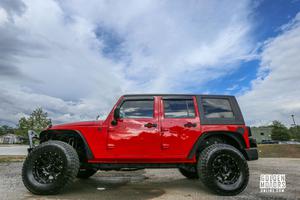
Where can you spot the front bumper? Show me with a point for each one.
(32, 135)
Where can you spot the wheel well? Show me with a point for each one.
(72, 137)
(232, 138)
(226, 139)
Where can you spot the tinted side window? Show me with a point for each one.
(181, 108)
(137, 109)
(217, 108)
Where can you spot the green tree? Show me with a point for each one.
(295, 132)
(37, 121)
(6, 129)
(279, 131)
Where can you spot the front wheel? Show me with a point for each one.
(50, 167)
(223, 169)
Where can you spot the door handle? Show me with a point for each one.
(190, 124)
(110, 146)
(150, 125)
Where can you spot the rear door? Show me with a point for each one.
(180, 125)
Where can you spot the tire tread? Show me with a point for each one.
(70, 173)
(208, 179)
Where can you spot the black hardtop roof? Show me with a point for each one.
(203, 95)
(238, 119)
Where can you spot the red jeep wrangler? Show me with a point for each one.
(204, 136)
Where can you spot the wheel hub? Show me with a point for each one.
(225, 169)
(47, 167)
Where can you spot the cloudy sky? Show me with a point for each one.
(75, 58)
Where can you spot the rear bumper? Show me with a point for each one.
(251, 154)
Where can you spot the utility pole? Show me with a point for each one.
(294, 123)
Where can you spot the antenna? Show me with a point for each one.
(294, 123)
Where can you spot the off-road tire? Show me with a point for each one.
(57, 151)
(85, 173)
(208, 162)
(189, 173)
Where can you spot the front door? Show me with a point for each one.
(136, 134)
(180, 125)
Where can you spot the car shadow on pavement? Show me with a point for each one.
(117, 187)
(124, 186)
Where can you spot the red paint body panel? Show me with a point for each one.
(227, 128)
(131, 142)
(178, 140)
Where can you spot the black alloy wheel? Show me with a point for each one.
(50, 167)
(223, 169)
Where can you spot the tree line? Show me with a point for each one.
(282, 133)
(37, 121)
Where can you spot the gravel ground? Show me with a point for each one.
(154, 184)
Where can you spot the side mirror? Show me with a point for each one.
(116, 116)
(117, 113)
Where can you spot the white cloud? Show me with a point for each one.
(56, 59)
(275, 94)
(233, 87)
(164, 40)
(3, 16)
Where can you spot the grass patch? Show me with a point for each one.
(279, 150)
(12, 158)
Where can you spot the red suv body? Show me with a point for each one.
(159, 137)
(204, 136)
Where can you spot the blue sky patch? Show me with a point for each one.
(270, 15)
(112, 42)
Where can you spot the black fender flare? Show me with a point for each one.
(237, 137)
(45, 133)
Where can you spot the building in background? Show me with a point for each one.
(11, 139)
(261, 133)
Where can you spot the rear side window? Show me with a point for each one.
(137, 109)
(217, 108)
(179, 108)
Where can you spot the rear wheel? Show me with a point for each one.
(50, 167)
(189, 172)
(223, 169)
(85, 173)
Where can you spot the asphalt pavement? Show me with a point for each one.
(12, 149)
(155, 184)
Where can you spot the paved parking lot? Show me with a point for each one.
(13, 149)
(154, 184)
